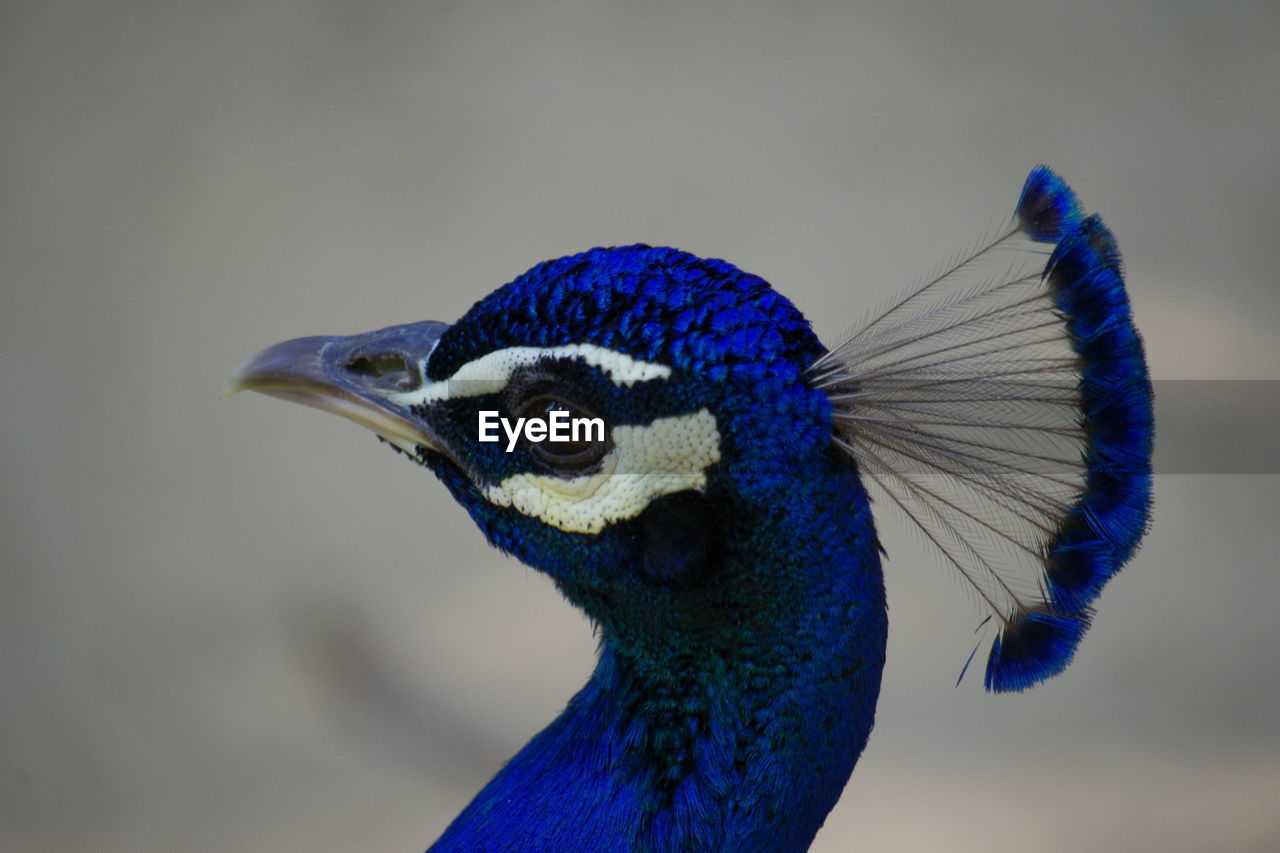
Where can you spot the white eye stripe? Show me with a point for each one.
(491, 372)
(646, 462)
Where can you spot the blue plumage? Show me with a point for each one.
(704, 736)
(1047, 209)
(720, 536)
(1101, 531)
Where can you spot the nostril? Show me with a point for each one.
(385, 370)
(377, 365)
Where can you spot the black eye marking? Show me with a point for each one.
(588, 435)
(583, 436)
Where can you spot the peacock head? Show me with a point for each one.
(606, 417)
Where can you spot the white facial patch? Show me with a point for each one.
(491, 372)
(668, 455)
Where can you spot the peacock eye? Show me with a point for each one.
(576, 438)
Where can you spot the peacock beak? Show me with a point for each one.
(362, 378)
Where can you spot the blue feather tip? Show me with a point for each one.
(1033, 647)
(1048, 210)
(1102, 529)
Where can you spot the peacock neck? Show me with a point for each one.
(733, 733)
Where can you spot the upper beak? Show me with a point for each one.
(358, 377)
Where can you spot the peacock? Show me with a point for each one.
(665, 437)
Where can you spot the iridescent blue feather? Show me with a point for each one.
(1011, 421)
(1101, 532)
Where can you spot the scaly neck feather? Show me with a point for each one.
(737, 737)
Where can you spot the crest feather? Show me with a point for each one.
(1004, 406)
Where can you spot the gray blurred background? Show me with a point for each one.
(240, 625)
